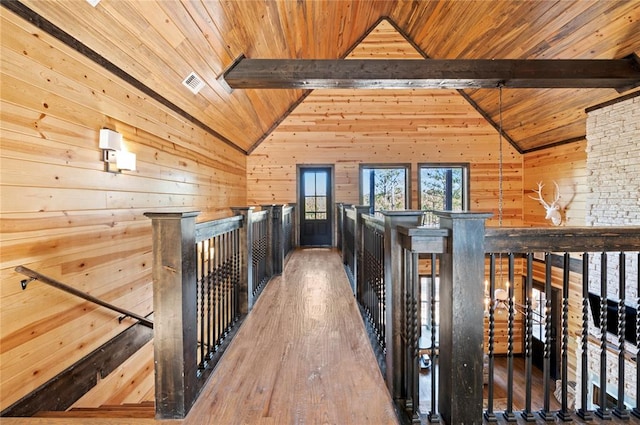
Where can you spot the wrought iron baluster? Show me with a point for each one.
(210, 299)
(564, 414)
(236, 270)
(620, 410)
(225, 282)
(527, 414)
(433, 416)
(381, 289)
(415, 351)
(545, 414)
(489, 416)
(584, 412)
(508, 414)
(636, 410)
(603, 411)
(218, 275)
(408, 334)
(201, 308)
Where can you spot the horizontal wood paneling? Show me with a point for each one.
(348, 128)
(567, 166)
(65, 217)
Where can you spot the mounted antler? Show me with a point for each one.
(553, 209)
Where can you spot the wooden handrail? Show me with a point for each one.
(34, 275)
(570, 239)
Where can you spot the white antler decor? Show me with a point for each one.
(553, 209)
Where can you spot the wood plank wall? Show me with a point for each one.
(352, 127)
(347, 128)
(62, 215)
(567, 166)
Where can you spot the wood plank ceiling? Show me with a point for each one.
(158, 43)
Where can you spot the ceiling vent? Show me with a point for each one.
(193, 83)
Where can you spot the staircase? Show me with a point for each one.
(145, 409)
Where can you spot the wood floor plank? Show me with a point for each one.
(301, 357)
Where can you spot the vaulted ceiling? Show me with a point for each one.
(154, 45)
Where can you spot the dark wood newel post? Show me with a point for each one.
(394, 299)
(357, 246)
(246, 259)
(462, 318)
(343, 236)
(174, 304)
(339, 216)
(276, 239)
(271, 232)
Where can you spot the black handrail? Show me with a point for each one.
(33, 275)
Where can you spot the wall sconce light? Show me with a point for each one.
(115, 157)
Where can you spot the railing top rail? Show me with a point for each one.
(562, 239)
(373, 221)
(259, 216)
(210, 229)
(431, 240)
(34, 275)
(351, 213)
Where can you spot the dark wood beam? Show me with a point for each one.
(619, 74)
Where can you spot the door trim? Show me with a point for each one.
(330, 208)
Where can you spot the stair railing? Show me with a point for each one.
(598, 263)
(34, 275)
(207, 276)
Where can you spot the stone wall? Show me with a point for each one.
(613, 199)
(613, 178)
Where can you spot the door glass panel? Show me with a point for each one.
(321, 184)
(315, 191)
(321, 203)
(309, 184)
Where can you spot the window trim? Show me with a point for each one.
(466, 177)
(407, 178)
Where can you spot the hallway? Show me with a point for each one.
(301, 357)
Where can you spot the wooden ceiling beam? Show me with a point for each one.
(620, 74)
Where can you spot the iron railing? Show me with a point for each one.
(207, 277)
(589, 334)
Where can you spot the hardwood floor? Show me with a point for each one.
(301, 357)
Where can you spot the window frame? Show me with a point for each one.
(407, 181)
(466, 180)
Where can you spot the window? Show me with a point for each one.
(315, 195)
(384, 187)
(538, 317)
(443, 187)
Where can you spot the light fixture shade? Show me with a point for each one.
(126, 161)
(110, 139)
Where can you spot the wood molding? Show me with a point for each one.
(433, 73)
(556, 144)
(68, 386)
(613, 101)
